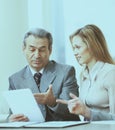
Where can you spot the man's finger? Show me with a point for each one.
(50, 88)
(38, 95)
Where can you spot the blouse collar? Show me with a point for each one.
(93, 73)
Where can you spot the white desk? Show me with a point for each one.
(80, 127)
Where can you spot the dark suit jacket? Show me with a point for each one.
(63, 79)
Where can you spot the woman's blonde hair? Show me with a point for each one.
(95, 40)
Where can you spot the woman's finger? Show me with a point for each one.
(62, 101)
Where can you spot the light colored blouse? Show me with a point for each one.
(97, 88)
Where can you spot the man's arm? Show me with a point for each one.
(69, 85)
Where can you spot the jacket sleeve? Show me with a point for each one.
(69, 84)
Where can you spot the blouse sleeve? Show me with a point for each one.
(99, 115)
(109, 84)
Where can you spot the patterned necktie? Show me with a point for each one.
(37, 77)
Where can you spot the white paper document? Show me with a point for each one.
(22, 101)
(56, 124)
(49, 124)
(15, 124)
(3, 117)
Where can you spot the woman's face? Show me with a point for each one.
(81, 51)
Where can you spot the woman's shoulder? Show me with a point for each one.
(108, 70)
(109, 67)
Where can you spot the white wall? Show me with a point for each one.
(81, 12)
(13, 24)
(62, 17)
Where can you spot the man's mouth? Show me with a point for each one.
(37, 62)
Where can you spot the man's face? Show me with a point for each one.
(37, 52)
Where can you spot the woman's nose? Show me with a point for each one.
(75, 52)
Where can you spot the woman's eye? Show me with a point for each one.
(77, 47)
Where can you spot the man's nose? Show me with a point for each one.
(37, 53)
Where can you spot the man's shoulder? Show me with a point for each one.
(61, 66)
(20, 72)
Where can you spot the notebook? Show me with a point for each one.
(22, 101)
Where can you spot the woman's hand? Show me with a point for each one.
(76, 106)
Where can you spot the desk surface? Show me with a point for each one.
(80, 127)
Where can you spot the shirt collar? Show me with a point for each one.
(33, 71)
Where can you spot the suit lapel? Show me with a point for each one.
(28, 80)
(48, 77)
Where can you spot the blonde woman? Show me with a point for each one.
(97, 80)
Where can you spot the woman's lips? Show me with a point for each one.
(78, 58)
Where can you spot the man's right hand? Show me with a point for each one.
(18, 117)
(46, 98)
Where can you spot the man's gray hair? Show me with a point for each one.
(40, 33)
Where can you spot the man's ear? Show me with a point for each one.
(23, 48)
(50, 50)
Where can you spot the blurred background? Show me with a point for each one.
(61, 18)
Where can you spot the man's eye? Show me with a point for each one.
(43, 49)
(32, 49)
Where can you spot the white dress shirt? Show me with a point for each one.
(33, 71)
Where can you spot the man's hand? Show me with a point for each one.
(18, 117)
(46, 98)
